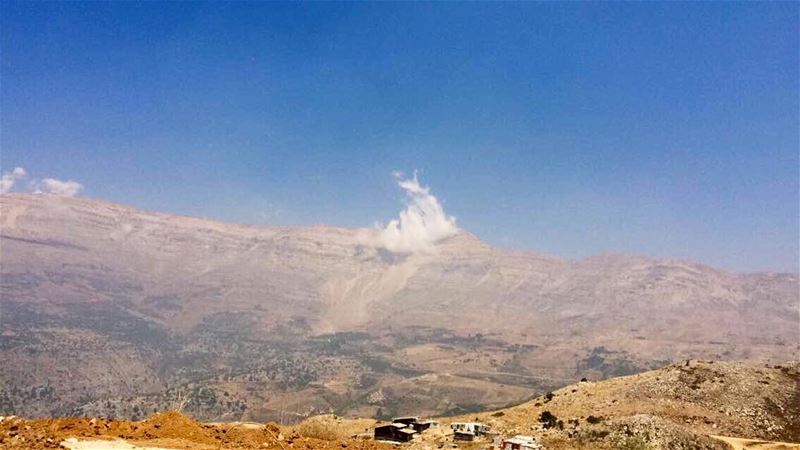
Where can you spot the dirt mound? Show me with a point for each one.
(168, 429)
(174, 425)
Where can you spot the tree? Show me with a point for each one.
(548, 419)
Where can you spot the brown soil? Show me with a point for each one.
(173, 427)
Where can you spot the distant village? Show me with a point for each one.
(413, 429)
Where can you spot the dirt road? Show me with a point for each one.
(754, 444)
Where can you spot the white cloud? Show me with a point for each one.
(67, 188)
(421, 225)
(52, 186)
(8, 179)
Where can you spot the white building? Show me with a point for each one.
(467, 431)
(520, 443)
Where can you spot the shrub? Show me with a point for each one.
(634, 443)
(548, 419)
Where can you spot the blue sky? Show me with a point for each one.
(669, 129)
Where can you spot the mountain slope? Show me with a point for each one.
(110, 310)
(674, 407)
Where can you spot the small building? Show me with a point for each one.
(520, 442)
(395, 432)
(468, 431)
(423, 425)
(463, 436)
(408, 421)
(419, 425)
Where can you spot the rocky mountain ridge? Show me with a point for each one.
(116, 311)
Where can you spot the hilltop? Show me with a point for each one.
(113, 311)
(676, 407)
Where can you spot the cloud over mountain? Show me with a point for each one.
(52, 186)
(8, 179)
(421, 225)
(67, 188)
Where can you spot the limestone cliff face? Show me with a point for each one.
(62, 250)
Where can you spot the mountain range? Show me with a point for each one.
(108, 310)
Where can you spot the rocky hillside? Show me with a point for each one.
(677, 407)
(113, 311)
